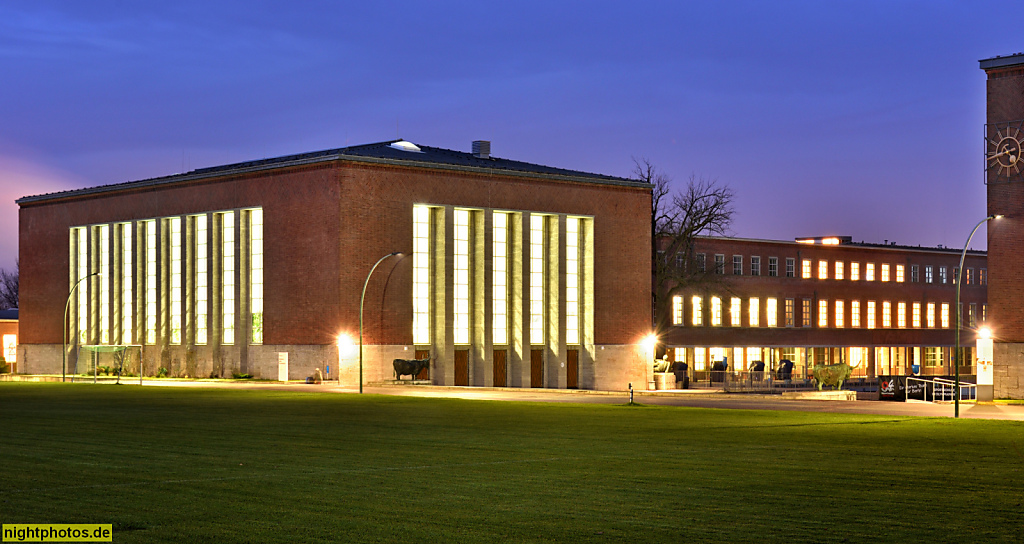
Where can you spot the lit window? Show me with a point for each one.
(420, 275)
(537, 279)
(202, 280)
(928, 274)
(716, 311)
(839, 270)
(460, 327)
(930, 315)
(772, 312)
(855, 313)
(256, 273)
(944, 315)
(698, 315)
(805, 269)
(677, 310)
(840, 311)
(915, 315)
(968, 276)
(151, 256)
(822, 270)
(790, 310)
(499, 287)
(104, 281)
(885, 272)
(127, 292)
(982, 276)
(871, 314)
(854, 271)
(899, 273)
(83, 288)
(886, 315)
(984, 312)
(699, 358)
(754, 310)
(176, 284)
(735, 312)
(228, 276)
(869, 271)
(753, 354)
(942, 274)
(901, 315)
(805, 313)
(823, 313)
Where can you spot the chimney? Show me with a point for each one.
(482, 149)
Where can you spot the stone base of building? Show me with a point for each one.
(820, 395)
(1008, 371)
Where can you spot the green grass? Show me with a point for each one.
(215, 465)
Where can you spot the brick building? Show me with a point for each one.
(879, 307)
(1004, 178)
(510, 274)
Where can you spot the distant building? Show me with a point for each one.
(9, 337)
(880, 307)
(511, 274)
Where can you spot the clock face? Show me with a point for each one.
(1003, 160)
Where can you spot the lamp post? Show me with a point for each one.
(361, 299)
(959, 316)
(64, 346)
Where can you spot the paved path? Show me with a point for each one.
(693, 398)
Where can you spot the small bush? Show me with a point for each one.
(161, 372)
(241, 376)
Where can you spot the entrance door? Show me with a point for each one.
(537, 368)
(500, 368)
(425, 373)
(462, 367)
(572, 369)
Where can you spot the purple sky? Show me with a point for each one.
(854, 118)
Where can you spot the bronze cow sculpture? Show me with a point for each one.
(412, 367)
(833, 375)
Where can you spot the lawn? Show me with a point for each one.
(214, 465)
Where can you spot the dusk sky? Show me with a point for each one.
(848, 118)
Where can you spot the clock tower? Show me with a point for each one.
(1004, 179)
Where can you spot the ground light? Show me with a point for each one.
(361, 299)
(64, 346)
(959, 316)
(345, 346)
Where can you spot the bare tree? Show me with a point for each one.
(702, 207)
(9, 288)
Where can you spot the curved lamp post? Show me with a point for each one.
(64, 346)
(361, 299)
(959, 316)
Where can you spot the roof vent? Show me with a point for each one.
(482, 149)
(403, 145)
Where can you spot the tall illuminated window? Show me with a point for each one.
(697, 314)
(127, 292)
(460, 327)
(202, 281)
(855, 313)
(840, 312)
(700, 357)
(839, 270)
(256, 273)
(754, 312)
(871, 314)
(901, 315)
(854, 271)
(886, 314)
(536, 279)
(677, 310)
(885, 272)
(104, 281)
(805, 312)
(176, 286)
(228, 276)
(499, 287)
(420, 275)
(930, 315)
(944, 315)
(915, 312)
(151, 277)
(822, 270)
(869, 271)
(823, 313)
(572, 280)
(790, 312)
(899, 273)
(772, 312)
(716, 311)
(805, 269)
(83, 289)
(736, 312)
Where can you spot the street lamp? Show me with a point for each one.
(361, 299)
(64, 346)
(959, 316)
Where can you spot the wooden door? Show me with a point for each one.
(537, 368)
(500, 368)
(425, 373)
(462, 367)
(572, 369)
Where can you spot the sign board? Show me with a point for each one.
(282, 366)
